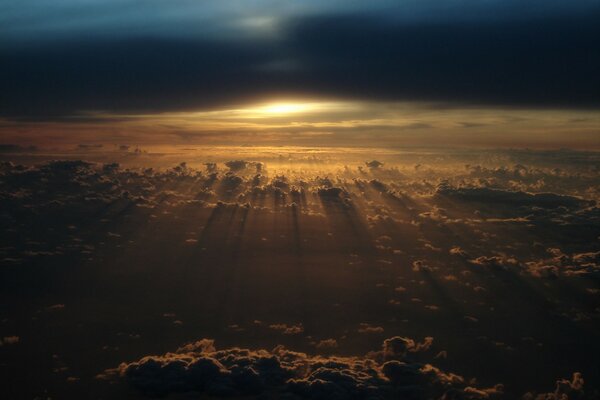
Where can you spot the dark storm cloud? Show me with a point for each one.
(130, 75)
(540, 61)
(543, 60)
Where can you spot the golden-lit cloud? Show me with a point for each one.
(321, 122)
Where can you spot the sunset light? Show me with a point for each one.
(286, 108)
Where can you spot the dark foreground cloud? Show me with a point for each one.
(386, 374)
(565, 389)
(546, 60)
(199, 367)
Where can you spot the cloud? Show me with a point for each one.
(511, 198)
(8, 340)
(500, 262)
(374, 164)
(399, 347)
(368, 328)
(327, 344)
(236, 165)
(331, 193)
(508, 61)
(202, 368)
(15, 148)
(288, 329)
(363, 239)
(565, 390)
(67, 188)
(561, 264)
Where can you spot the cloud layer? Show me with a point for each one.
(332, 253)
(492, 55)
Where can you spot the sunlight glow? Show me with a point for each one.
(285, 108)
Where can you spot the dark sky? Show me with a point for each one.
(58, 58)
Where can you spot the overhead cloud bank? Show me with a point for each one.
(385, 374)
(494, 54)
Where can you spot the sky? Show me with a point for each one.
(387, 73)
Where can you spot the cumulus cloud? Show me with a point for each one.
(327, 344)
(374, 164)
(288, 329)
(384, 204)
(565, 390)
(561, 264)
(236, 165)
(200, 367)
(368, 328)
(410, 249)
(501, 262)
(8, 340)
(399, 347)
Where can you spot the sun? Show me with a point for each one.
(285, 108)
(282, 109)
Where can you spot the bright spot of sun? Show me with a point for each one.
(277, 110)
(285, 108)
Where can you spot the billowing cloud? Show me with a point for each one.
(565, 389)
(434, 56)
(200, 367)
